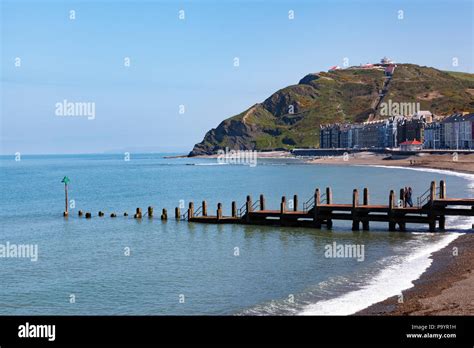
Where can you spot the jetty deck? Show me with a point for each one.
(431, 209)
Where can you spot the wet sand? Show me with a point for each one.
(460, 163)
(446, 288)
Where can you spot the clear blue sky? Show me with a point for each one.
(190, 62)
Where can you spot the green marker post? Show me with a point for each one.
(65, 180)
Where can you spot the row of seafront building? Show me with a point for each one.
(422, 130)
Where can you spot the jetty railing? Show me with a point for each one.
(185, 215)
(242, 210)
(198, 212)
(425, 197)
(309, 204)
(255, 205)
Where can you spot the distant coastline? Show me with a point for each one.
(462, 162)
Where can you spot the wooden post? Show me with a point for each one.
(234, 209)
(249, 200)
(262, 202)
(219, 211)
(328, 195)
(402, 198)
(125, 214)
(88, 215)
(442, 222)
(317, 202)
(177, 213)
(432, 191)
(391, 200)
(164, 214)
(365, 224)
(138, 213)
(355, 204)
(317, 197)
(191, 210)
(283, 205)
(113, 215)
(150, 212)
(366, 196)
(80, 213)
(431, 216)
(204, 208)
(442, 189)
(391, 205)
(329, 201)
(432, 225)
(101, 213)
(403, 203)
(295, 202)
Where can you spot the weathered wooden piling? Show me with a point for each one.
(317, 202)
(432, 192)
(101, 213)
(431, 216)
(80, 213)
(366, 196)
(365, 202)
(138, 213)
(442, 189)
(262, 202)
(219, 211)
(112, 215)
(249, 201)
(177, 213)
(402, 202)
(442, 195)
(295, 202)
(191, 210)
(234, 209)
(204, 208)
(283, 205)
(125, 214)
(355, 204)
(328, 195)
(150, 212)
(88, 215)
(391, 206)
(164, 214)
(329, 201)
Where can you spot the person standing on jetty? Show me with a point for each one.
(405, 197)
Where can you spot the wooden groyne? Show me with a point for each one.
(431, 209)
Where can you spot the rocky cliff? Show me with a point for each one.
(291, 117)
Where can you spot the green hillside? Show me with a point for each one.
(291, 117)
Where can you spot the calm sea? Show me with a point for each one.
(150, 267)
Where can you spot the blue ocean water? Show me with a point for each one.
(179, 268)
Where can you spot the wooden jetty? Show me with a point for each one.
(431, 209)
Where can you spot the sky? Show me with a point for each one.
(182, 79)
